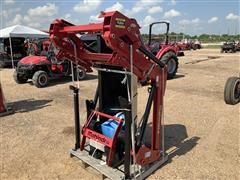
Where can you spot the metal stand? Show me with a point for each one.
(76, 116)
(116, 173)
(11, 51)
(7, 112)
(127, 147)
(126, 170)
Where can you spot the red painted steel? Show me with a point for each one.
(107, 116)
(118, 33)
(2, 105)
(91, 134)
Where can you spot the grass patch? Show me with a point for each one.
(212, 46)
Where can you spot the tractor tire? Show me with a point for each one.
(232, 90)
(81, 73)
(19, 79)
(171, 60)
(2, 64)
(40, 79)
(180, 53)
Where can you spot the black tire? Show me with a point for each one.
(180, 53)
(2, 64)
(40, 79)
(81, 73)
(20, 79)
(232, 90)
(171, 60)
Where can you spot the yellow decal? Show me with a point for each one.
(120, 23)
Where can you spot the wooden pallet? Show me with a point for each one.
(113, 173)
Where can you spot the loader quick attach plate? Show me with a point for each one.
(116, 173)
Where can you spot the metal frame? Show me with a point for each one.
(116, 173)
(150, 31)
(128, 52)
(127, 170)
(7, 112)
(11, 51)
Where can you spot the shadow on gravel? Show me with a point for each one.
(184, 147)
(177, 142)
(176, 138)
(203, 59)
(177, 76)
(68, 130)
(28, 105)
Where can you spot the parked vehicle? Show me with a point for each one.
(238, 46)
(196, 44)
(41, 68)
(164, 51)
(229, 46)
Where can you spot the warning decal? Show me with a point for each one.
(120, 23)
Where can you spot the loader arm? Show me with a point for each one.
(118, 32)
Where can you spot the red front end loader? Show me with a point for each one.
(112, 139)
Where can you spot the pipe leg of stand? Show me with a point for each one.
(127, 157)
(76, 116)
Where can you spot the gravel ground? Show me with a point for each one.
(202, 132)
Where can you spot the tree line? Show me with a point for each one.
(204, 38)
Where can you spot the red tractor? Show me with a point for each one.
(164, 51)
(238, 46)
(41, 65)
(196, 44)
(184, 46)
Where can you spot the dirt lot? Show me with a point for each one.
(202, 132)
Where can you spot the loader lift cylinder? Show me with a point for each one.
(76, 116)
(151, 56)
(146, 115)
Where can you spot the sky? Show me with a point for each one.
(188, 16)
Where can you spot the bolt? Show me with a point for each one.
(122, 44)
(113, 36)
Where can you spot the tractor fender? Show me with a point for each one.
(164, 51)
